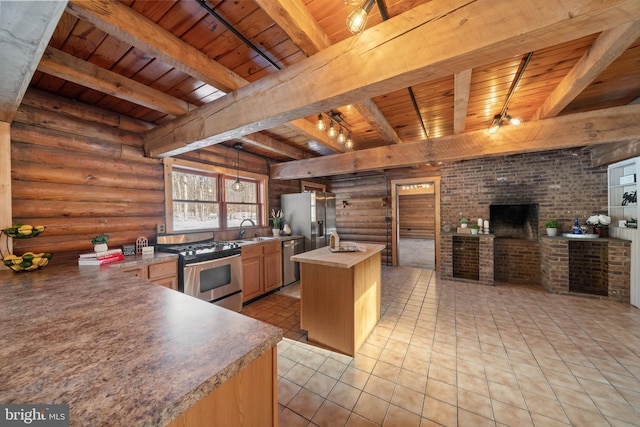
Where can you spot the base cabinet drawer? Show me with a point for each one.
(164, 273)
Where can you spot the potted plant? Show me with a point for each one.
(464, 222)
(474, 228)
(99, 242)
(276, 219)
(600, 224)
(552, 227)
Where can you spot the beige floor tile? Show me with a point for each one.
(440, 412)
(379, 387)
(399, 417)
(371, 407)
(330, 415)
(290, 419)
(333, 368)
(320, 384)
(286, 391)
(355, 377)
(412, 380)
(572, 361)
(408, 399)
(443, 374)
(344, 395)
(511, 415)
(470, 419)
(305, 403)
(386, 371)
(442, 391)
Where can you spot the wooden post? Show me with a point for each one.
(5, 185)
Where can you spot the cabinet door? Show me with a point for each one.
(251, 278)
(168, 282)
(138, 271)
(272, 267)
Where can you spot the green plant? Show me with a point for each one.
(100, 238)
(551, 224)
(474, 226)
(277, 218)
(463, 220)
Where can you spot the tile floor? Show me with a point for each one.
(456, 354)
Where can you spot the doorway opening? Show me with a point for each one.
(416, 223)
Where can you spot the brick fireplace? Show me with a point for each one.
(550, 184)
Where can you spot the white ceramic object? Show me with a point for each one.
(552, 232)
(100, 247)
(275, 231)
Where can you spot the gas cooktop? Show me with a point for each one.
(202, 251)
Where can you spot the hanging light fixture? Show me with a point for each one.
(320, 124)
(332, 132)
(341, 137)
(504, 117)
(357, 19)
(237, 185)
(348, 144)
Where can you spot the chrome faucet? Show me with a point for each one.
(242, 230)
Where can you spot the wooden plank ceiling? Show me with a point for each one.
(102, 53)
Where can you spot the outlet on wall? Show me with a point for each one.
(160, 228)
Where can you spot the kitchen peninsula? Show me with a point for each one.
(124, 351)
(340, 296)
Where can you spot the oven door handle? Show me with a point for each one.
(212, 261)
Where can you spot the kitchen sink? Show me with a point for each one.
(256, 239)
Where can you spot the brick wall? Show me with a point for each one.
(473, 260)
(588, 271)
(466, 253)
(562, 182)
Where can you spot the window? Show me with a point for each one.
(199, 197)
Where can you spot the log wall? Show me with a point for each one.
(81, 171)
(417, 216)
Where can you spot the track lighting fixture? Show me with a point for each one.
(335, 120)
(357, 19)
(237, 185)
(501, 119)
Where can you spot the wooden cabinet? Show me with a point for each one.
(261, 269)
(623, 191)
(163, 273)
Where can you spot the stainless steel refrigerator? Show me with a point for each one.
(311, 214)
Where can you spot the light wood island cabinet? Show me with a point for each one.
(261, 269)
(340, 296)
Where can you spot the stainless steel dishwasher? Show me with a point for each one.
(291, 269)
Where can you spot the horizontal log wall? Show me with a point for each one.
(361, 208)
(81, 171)
(417, 216)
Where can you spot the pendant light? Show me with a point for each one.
(237, 185)
(332, 133)
(348, 144)
(357, 19)
(341, 137)
(320, 124)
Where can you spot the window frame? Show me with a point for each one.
(221, 173)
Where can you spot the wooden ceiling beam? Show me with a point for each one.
(607, 154)
(462, 88)
(296, 20)
(68, 67)
(614, 125)
(125, 24)
(267, 143)
(26, 28)
(461, 35)
(133, 28)
(606, 49)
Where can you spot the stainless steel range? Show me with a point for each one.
(207, 269)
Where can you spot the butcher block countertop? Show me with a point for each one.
(119, 350)
(323, 256)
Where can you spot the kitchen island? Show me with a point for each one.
(124, 351)
(340, 296)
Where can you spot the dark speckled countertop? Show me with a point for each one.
(119, 350)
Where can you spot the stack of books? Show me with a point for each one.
(100, 258)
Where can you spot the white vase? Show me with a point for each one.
(463, 225)
(100, 247)
(275, 231)
(286, 229)
(552, 232)
(474, 231)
